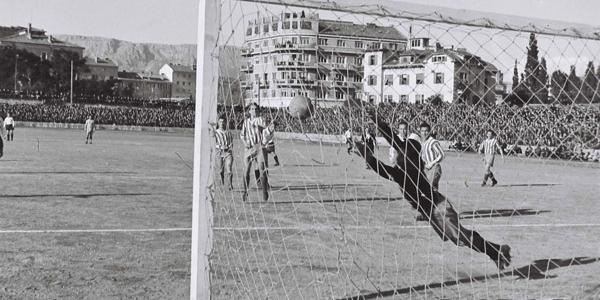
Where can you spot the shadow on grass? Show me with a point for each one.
(85, 196)
(526, 184)
(318, 187)
(335, 200)
(305, 165)
(534, 271)
(494, 213)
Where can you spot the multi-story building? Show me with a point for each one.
(100, 69)
(37, 42)
(423, 71)
(182, 78)
(296, 54)
(144, 86)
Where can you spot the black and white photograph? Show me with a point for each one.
(279, 149)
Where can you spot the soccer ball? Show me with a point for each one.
(300, 107)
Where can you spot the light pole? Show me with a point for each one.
(16, 63)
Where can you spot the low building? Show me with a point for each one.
(182, 78)
(423, 71)
(144, 86)
(36, 41)
(100, 69)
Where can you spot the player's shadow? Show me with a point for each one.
(527, 184)
(335, 200)
(84, 196)
(307, 165)
(537, 270)
(317, 187)
(494, 213)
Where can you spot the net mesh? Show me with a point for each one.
(332, 227)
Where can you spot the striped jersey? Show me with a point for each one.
(488, 147)
(251, 131)
(431, 150)
(224, 139)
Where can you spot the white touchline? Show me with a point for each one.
(302, 228)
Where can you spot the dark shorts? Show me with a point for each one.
(10, 127)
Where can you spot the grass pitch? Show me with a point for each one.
(111, 221)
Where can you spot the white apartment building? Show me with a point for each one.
(424, 71)
(296, 54)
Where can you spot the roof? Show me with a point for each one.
(7, 31)
(350, 29)
(420, 56)
(37, 39)
(100, 62)
(141, 76)
(181, 68)
(129, 75)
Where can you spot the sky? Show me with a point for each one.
(175, 21)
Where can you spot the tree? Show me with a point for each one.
(515, 79)
(590, 83)
(558, 86)
(61, 68)
(573, 86)
(532, 82)
(542, 76)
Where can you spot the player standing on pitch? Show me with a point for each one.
(251, 135)
(2, 137)
(9, 126)
(488, 148)
(269, 142)
(432, 154)
(89, 128)
(224, 145)
(428, 201)
(402, 135)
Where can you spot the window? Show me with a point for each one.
(341, 43)
(44, 56)
(274, 26)
(439, 78)
(273, 93)
(420, 78)
(358, 61)
(404, 79)
(439, 59)
(389, 79)
(388, 98)
(415, 43)
(419, 98)
(286, 25)
(462, 76)
(339, 77)
(294, 40)
(371, 99)
(255, 29)
(249, 31)
(304, 40)
(372, 60)
(322, 59)
(305, 25)
(340, 59)
(266, 43)
(265, 59)
(339, 95)
(266, 28)
(323, 42)
(358, 44)
(403, 98)
(376, 45)
(274, 75)
(372, 80)
(295, 25)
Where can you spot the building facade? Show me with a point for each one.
(100, 69)
(423, 72)
(297, 54)
(37, 42)
(144, 86)
(182, 78)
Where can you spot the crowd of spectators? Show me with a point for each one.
(94, 99)
(108, 115)
(561, 131)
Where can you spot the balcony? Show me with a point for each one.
(295, 82)
(247, 51)
(247, 68)
(295, 64)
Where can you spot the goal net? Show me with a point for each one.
(505, 111)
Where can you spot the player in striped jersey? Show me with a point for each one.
(224, 146)
(252, 137)
(488, 148)
(434, 206)
(432, 154)
(269, 142)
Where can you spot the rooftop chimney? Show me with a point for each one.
(50, 39)
(29, 31)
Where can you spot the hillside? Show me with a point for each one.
(148, 57)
